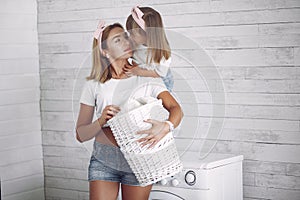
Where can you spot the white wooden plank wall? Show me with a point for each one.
(21, 161)
(256, 47)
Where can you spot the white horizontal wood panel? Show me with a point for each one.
(20, 141)
(54, 193)
(19, 81)
(66, 162)
(62, 183)
(15, 37)
(13, 21)
(234, 5)
(278, 181)
(251, 150)
(228, 42)
(238, 98)
(23, 169)
(18, 7)
(20, 155)
(259, 57)
(20, 111)
(22, 184)
(36, 194)
(270, 193)
(279, 28)
(19, 66)
(21, 163)
(76, 60)
(16, 51)
(19, 126)
(19, 96)
(65, 173)
(293, 169)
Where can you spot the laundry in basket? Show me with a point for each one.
(149, 165)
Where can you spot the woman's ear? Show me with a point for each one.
(105, 53)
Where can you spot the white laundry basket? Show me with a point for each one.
(149, 165)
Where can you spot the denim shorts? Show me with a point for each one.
(169, 80)
(108, 164)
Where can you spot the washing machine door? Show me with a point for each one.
(164, 195)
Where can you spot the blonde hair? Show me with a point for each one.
(101, 70)
(157, 43)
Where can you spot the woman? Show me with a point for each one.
(107, 88)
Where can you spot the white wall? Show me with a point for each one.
(21, 162)
(255, 45)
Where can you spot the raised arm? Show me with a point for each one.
(138, 71)
(160, 70)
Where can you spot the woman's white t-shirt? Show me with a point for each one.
(119, 91)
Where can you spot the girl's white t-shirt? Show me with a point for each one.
(140, 55)
(119, 91)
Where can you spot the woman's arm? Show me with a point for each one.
(160, 129)
(85, 128)
(175, 112)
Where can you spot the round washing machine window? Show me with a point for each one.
(164, 195)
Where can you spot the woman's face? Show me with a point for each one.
(118, 44)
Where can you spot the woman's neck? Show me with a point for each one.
(117, 68)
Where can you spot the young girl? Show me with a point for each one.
(152, 50)
(106, 89)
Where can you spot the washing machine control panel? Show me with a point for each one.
(187, 178)
(169, 182)
(190, 177)
(175, 182)
(164, 181)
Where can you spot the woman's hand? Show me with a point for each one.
(107, 113)
(155, 133)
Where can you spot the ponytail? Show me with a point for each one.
(158, 45)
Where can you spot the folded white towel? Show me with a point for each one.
(132, 104)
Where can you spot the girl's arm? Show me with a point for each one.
(85, 128)
(138, 71)
(160, 70)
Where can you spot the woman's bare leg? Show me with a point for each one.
(135, 192)
(103, 190)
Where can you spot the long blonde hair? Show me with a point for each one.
(157, 42)
(101, 70)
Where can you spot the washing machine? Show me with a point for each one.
(216, 177)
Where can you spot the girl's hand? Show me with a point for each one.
(107, 113)
(155, 133)
(132, 70)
